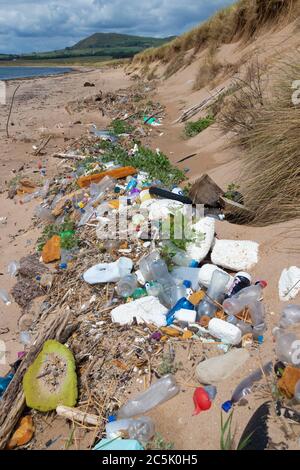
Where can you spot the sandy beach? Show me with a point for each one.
(44, 107)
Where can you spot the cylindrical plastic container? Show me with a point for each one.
(290, 316)
(225, 331)
(287, 345)
(215, 292)
(160, 392)
(162, 275)
(146, 265)
(142, 429)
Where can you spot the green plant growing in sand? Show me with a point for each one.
(194, 128)
(168, 366)
(69, 241)
(227, 435)
(232, 189)
(159, 443)
(156, 164)
(119, 126)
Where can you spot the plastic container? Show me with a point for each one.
(240, 282)
(5, 297)
(215, 292)
(246, 386)
(162, 275)
(13, 268)
(187, 274)
(146, 265)
(290, 316)
(127, 285)
(206, 273)
(238, 302)
(142, 429)
(225, 331)
(160, 392)
(287, 345)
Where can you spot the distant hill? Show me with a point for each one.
(109, 40)
(99, 45)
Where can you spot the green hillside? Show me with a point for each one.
(101, 46)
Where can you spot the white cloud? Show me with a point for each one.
(28, 25)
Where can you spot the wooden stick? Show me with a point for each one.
(13, 401)
(10, 110)
(74, 414)
(188, 113)
(43, 145)
(65, 156)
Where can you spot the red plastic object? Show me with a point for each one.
(201, 400)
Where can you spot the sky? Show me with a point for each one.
(44, 25)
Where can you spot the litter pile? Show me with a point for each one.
(137, 267)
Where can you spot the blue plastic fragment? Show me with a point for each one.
(63, 266)
(260, 339)
(4, 383)
(112, 418)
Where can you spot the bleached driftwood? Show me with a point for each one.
(66, 156)
(188, 113)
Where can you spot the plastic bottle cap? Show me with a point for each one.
(112, 418)
(260, 340)
(263, 284)
(63, 266)
(227, 406)
(187, 284)
(194, 264)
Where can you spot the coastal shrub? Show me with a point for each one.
(195, 127)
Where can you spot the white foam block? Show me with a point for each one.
(145, 310)
(236, 255)
(289, 284)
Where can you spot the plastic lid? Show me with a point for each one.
(263, 284)
(187, 284)
(194, 264)
(227, 406)
(112, 418)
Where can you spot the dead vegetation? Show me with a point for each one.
(241, 21)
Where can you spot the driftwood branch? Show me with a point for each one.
(188, 113)
(43, 145)
(74, 414)
(13, 401)
(10, 110)
(66, 156)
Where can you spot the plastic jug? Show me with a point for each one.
(215, 292)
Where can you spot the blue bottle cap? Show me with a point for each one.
(194, 264)
(227, 406)
(260, 339)
(38, 278)
(187, 284)
(112, 418)
(63, 266)
(82, 211)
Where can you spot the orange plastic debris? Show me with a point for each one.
(287, 384)
(85, 181)
(196, 297)
(23, 434)
(115, 204)
(51, 251)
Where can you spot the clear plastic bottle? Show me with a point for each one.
(162, 275)
(13, 268)
(127, 285)
(146, 264)
(4, 295)
(287, 345)
(247, 296)
(215, 292)
(257, 312)
(290, 316)
(245, 387)
(142, 429)
(160, 392)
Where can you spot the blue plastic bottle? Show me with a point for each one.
(181, 304)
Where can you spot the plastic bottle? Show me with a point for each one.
(290, 316)
(215, 292)
(141, 429)
(287, 345)
(257, 312)
(162, 275)
(238, 302)
(13, 268)
(240, 282)
(146, 264)
(127, 285)
(180, 258)
(246, 386)
(160, 392)
(4, 295)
